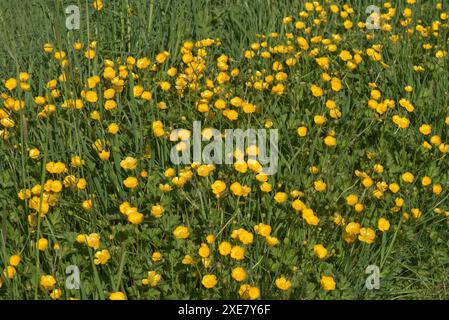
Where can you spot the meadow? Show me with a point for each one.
(88, 190)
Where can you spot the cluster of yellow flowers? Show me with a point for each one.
(122, 97)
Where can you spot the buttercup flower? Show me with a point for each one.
(209, 281)
(283, 284)
(328, 283)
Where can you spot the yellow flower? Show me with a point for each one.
(110, 105)
(248, 292)
(376, 95)
(237, 253)
(91, 96)
(104, 155)
(348, 238)
(401, 122)
(407, 177)
(399, 202)
(348, 24)
(224, 248)
(42, 244)
(131, 182)
(97, 5)
(237, 102)
(14, 260)
(157, 211)
(81, 184)
(436, 140)
(352, 228)
(7, 123)
(330, 141)
(440, 54)
(320, 251)
(137, 91)
(378, 168)
(336, 84)
(181, 232)
(408, 89)
(109, 73)
(272, 241)
(81, 238)
(319, 185)
(283, 284)
(359, 207)
(47, 282)
(383, 224)
(328, 283)
(156, 256)
(425, 129)
(126, 208)
(298, 205)
(345, 55)
(48, 47)
(302, 131)
(56, 294)
(249, 108)
(249, 54)
(102, 257)
(170, 172)
(152, 279)
(367, 235)
(143, 63)
(76, 161)
(87, 205)
(210, 238)
(172, 72)
(437, 188)
(95, 115)
(117, 296)
(158, 128)
(9, 272)
(323, 62)
(352, 199)
(302, 43)
(310, 217)
(204, 251)
(147, 96)
(113, 128)
(93, 240)
(238, 274)
(266, 187)
(11, 84)
(89, 54)
(220, 104)
(55, 167)
(218, 187)
(416, 213)
(231, 114)
(165, 86)
(241, 166)
(316, 91)
(262, 229)
(135, 217)
(242, 235)
(209, 281)
(24, 194)
(261, 177)
(34, 153)
(187, 260)
(394, 187)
